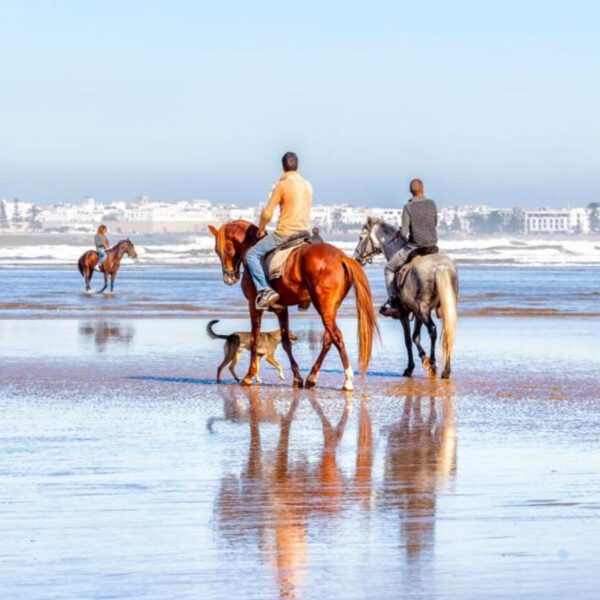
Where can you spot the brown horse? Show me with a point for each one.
(319, 273)
(110, 266)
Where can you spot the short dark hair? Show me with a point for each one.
(289, 161)
(416, 186)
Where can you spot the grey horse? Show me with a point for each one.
(431, 284)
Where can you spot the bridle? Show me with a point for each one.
(374, 246)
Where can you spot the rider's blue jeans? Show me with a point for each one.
(254, 255)
(101, 255)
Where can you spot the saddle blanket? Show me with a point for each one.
(274, 263)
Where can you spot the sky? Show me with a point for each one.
(488, 102)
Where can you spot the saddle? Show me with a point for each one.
(412, 261)
(274, 262)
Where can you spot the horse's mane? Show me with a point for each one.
(247, 229)
(388, 227)
(120, 243)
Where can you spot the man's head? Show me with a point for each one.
(417, 188)
(289, 161)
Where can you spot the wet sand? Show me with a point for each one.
(126, 472)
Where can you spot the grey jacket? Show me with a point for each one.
(419, 221)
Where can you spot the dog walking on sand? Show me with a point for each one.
(238, 342)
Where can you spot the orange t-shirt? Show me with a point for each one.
(293, 194)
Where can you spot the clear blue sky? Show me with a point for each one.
(486, 101)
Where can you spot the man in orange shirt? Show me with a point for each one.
(293, 194)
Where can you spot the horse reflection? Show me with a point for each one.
(105, 332)
(274, 497)
(420, 462)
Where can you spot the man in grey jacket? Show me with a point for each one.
(419, 230)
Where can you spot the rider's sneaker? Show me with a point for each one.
(387, 310)
(266, 298)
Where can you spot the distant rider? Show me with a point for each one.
(102, 244)
(293, 194)
(419, 230)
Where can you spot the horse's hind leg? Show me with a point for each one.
(338, 341)
(408, 342)
(284, 325)
(112, 281)
(311, 380)
(416, 337)
(432, 329)
(88, 278)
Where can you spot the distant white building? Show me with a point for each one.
(566, 220)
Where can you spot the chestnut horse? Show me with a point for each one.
(319, 273)
(110, 266)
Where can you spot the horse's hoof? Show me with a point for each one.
(432, 372)
(408, 372)
(246, 381)
(311, 382)
(298, 383)
(446, 374)
(348, 386)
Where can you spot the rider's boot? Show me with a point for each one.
(266, 298)
(389, 308)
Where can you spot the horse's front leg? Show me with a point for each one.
(256, 319)
(112, 281)
(88, 278)
(284, 325)
(105, 281)
(408, 342)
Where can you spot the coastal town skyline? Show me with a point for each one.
(145, 215)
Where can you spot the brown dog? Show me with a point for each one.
(236, 343)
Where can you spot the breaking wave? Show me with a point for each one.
(199, 250)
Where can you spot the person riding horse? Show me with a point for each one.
(419, 230)
(293, 194)
(102, 245)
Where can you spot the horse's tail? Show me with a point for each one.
(446, 289)
(80, 264)
(212, 334)
(367, 321)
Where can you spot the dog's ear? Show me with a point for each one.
(213, 230)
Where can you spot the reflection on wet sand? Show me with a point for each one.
(274, 501)
(236, 410)
(420, 461)
(107, 332)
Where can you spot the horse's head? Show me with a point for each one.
(128, 248)
(368, 242)
(232, 241)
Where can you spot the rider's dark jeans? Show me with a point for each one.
(394, 265)
(254, 255)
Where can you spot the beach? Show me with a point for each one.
(128, 472)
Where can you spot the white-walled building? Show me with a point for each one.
(566, 220)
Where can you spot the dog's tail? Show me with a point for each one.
(212, 334)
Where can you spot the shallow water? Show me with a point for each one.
(126, 472)
(186, 292)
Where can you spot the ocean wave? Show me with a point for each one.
(199, 250)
